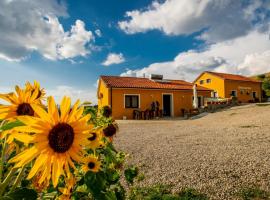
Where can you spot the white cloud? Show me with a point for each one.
(114, 58)
(246, 55)
(27, 26)
(98, 33)
(75, 93)
(221, 20)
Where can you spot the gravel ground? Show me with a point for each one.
(218, 154)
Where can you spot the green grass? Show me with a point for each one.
(163, 192)
(140, 177)
(254, 194)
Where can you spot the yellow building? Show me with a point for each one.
(126, 94)
(228, 85)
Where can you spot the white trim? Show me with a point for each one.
(172, 102)
(139, 103)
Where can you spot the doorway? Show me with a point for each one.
(167, 105)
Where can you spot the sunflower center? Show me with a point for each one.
(109, 131)
(25, 109)
(93, 137)
(91, 165)
(61, 137)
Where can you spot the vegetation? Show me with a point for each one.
(265, 78)
(254, 194)
(163, 192)
(77, 159)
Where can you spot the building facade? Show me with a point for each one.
(126, 94)
(227, 85)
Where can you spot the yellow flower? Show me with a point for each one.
(95, 139)
(58, 140)
(67, 191)
(34, 87)
(21, 103)
(91, 163)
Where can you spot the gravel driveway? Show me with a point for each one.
(218, 154)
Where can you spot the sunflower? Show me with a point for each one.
(91, 163)
(34, 87)
(67, 190)
(58, 140)
(110, 130)
(95, 139)
(21, 103)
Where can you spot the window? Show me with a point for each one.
(208, 80)
(233, 93)
(131, 101)
(201, 82)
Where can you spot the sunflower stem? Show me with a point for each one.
(3, 158)
(6, 181)
(18, 179)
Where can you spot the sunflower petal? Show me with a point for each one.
(52, 109)
(65, 108)
(41, 113)
(38, 164)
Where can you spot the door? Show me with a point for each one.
(254, 95)
(167, 105)
(199, 101)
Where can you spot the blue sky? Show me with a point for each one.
(177, 38)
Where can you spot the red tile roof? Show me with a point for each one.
(145, 83)
(234, 77)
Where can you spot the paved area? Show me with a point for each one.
(218, 154)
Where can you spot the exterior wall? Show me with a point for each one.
(217, 84)
(245, 86)
(106, 95)
(181, 99)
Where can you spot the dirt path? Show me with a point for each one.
(218, 154)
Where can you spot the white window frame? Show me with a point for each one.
(172, 102)
(139, 99)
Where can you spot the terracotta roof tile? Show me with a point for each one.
(234, 77)
(135, 82)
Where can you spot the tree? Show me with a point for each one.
(266, 86)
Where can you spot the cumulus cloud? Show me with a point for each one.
(217, 19)
(28, 26)
(114, 58)
(247, 55)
